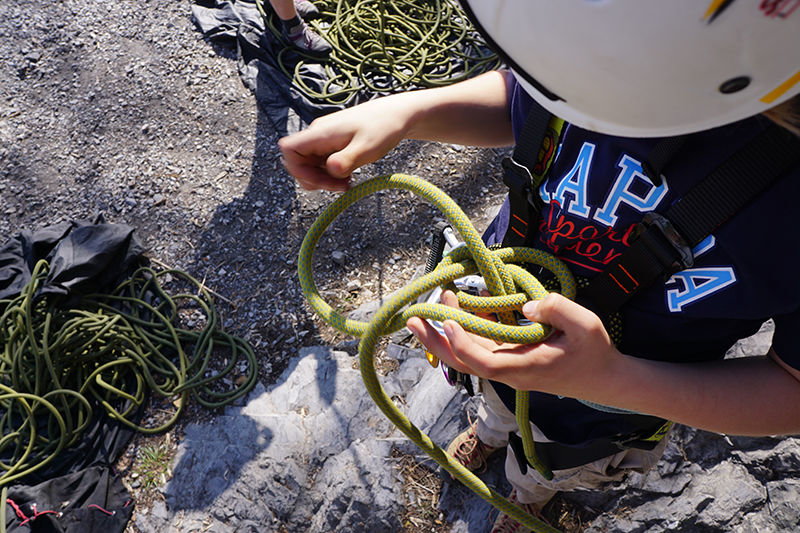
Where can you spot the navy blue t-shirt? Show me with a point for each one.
(743, 274)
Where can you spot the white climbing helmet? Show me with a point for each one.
(648, 68)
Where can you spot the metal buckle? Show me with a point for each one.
(673, 236)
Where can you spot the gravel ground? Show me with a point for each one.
(121, 108)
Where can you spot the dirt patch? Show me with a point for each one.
(421, 487)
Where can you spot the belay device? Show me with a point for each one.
(443, 242)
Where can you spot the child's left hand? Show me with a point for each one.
(578, 360)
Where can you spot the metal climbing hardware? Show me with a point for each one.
(455, 378)
(681, 252)
(443, 241)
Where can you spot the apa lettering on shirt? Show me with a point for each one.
(593, 236)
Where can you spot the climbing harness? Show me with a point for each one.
(382, 46)
(663, 243)
(108, 352)
(510, 284)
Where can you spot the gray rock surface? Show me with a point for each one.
(313, 453)
(292, 456)
(707, 482)
(310, 453)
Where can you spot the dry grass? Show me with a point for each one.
(421, 487)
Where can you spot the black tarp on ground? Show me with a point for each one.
(84, 257)
(240, 21)
(91, 500)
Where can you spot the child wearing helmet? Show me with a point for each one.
(627, 78)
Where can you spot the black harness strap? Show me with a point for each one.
(731, 186)
(660, 156)
(518, 177)
(664, 242)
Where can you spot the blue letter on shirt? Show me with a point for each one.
(575, 182)
(697, 283)
(622, 192)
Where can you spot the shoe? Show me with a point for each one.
(470, 451)
(307, 40)
(506, 524)
(306, 9)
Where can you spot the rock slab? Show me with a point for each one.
(312, 453)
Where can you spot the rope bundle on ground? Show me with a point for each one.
(108, 352)
(382, 46)
(510, 285)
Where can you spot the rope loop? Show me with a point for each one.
(510, 285)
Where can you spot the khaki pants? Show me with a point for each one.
(495, 422)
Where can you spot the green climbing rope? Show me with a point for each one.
(509, 285)
(382, 46)
(108, 351)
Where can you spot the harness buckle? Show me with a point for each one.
(684, 257)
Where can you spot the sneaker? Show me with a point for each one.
(306, 9)
(307, 40)
(506, 524)
(470, 451)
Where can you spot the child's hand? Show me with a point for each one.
(576, 360)
(324, 155)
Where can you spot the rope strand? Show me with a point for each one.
(503, 281)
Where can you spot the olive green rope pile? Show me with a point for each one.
(383, 46)
(109, 350)
(510, 285)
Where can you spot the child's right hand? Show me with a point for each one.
(472, 112)
(324, 155)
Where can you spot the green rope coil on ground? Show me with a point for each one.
(108, 351)
(382, 46)
(510, 285)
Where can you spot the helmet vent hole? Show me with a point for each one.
(734, 85)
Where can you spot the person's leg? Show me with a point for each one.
(495, 421)
(296, 32)
(532, 492)
(531, 488)
(284, 9)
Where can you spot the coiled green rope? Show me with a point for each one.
(110, 350)
(382, 46)
(510, 285)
